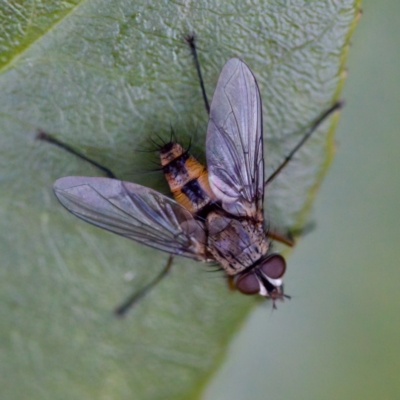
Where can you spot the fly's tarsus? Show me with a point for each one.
(289, 237)
(337, 106)
(191, 41)
(305, 230)
(41, 135)
(122, 309)
(286, 239)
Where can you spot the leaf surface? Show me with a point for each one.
(106, 77)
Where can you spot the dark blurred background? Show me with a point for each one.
(339, 336)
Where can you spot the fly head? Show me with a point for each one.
(264, 278)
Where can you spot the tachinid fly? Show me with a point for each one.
(216, 214)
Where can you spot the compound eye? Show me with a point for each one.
(274, 266)
(248, 284)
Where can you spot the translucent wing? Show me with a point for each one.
(135, 212)
(234, 144)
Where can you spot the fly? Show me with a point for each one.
(217, 213)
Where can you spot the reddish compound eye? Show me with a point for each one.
(248, 284)
(274, 266)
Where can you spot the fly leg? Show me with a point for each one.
(124, 307)
(121, 310)
(289, 238)
(313, 127)
(50, 139)
(231, 283)
(190, 39)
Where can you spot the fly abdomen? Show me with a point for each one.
(186, 177)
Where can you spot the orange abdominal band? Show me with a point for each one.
(186, 177)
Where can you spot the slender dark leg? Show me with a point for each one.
(313, 127)
(288, 238)
(124, 307)
(47, 138)
(121, 310)
(190, 39)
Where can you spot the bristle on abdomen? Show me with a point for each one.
(186, 177)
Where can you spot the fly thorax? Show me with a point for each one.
(236, 243)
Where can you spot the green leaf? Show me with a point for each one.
(106, 77)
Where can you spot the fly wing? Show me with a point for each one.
(135, 212)
(234, 145)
